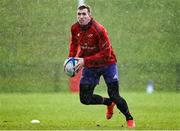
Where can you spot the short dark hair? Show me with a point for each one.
(81, 7)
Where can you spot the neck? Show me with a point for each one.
(87, 26)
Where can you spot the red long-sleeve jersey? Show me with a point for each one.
(91, 42)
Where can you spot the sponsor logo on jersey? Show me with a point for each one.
(90, 35)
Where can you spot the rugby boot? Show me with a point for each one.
(131, 123)
(109, 112)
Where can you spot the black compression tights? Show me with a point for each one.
(87, 97)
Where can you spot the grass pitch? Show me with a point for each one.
(34, 37)
(159, 110)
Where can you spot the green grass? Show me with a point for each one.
(34, 37)
(159, 110)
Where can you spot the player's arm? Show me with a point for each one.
(73, 45)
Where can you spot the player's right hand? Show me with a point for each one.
(79, 65)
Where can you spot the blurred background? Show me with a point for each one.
(34, 42)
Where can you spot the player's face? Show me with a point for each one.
(83, 17)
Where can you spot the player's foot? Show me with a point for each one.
(109, 112)
(131, 123)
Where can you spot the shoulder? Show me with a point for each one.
(98, 27)
(75, 26)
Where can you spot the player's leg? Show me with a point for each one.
(113, 91)
(111, 78)
(90, 78)
(88, 98)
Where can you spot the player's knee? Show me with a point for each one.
(86, 94)
(115, 97)
(113, 91)
(85, 100)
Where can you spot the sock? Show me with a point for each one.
(123, 107)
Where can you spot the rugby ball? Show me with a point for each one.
(69, 65)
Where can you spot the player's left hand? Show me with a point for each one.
(79, 65)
